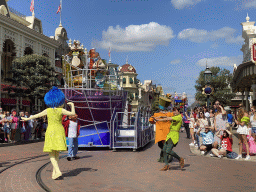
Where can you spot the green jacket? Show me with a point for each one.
(174, 133)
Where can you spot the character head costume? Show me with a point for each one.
(54, 98)
(164, 103)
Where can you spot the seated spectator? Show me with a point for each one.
(208, 141)
(226, 144)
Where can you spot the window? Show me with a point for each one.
(124, 80)
(131, 80)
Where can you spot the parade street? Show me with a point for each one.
(24, 167)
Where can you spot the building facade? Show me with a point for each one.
(244, 75)
(21, 35)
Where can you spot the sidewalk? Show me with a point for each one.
(235, 148)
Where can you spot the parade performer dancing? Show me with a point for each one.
(162, 127)
(172, 139)
(55, 139)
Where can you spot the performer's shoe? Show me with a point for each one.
(69, 158)
(165, 168)
(182, 162)
(161, 160)
(57, 176)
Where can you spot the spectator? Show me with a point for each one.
(72, 131)
(195, 113)
(23, 126)
(196, 128)
(38, 128)
(226, 144)
(186, 124)
(29, 126)
(211, 118)
(242, 122)
(251, 143)
(7, 129)
(230, 118)
(253, 124)
(14, 125)
(208, 140)
(220, 121)
(191, 127)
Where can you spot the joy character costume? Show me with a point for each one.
(162, 127)
(171, 141)
(55, 140)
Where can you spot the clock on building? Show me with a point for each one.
(36, 28)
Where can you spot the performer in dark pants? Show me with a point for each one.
(172, 139)
(162, 128)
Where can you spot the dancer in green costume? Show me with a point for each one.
(172, 139)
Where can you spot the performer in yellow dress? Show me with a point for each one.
(55, 139)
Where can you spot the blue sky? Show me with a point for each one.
(167, 41)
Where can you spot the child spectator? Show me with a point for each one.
(72, 131)
(251, 143)
(226, 144)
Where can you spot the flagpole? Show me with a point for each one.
(60, 10)
(110, 55)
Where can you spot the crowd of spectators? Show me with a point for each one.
(13, 130)
(215, 126)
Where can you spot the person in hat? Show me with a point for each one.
(55, 139)
(162, 127)
(172, 139)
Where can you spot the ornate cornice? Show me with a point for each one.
(18, 27)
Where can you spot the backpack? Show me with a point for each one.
(232, 155)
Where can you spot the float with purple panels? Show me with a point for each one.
(100, 103)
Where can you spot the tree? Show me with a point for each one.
(221, 79)
(32, 76)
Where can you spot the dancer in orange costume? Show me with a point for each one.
(162, 127)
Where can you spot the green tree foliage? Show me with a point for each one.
(221, 79)
(32, 76)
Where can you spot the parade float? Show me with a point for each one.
(101, 104)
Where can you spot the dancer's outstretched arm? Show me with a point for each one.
(43, 113)
(68, 113)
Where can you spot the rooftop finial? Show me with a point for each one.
(247, 18)
(127, 60)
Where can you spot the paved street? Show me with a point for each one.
(104, 170)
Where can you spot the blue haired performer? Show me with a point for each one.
(55, 139)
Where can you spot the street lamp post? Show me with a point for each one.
(208, 90)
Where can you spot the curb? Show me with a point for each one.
(20, 143)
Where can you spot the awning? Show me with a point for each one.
(25, 103)
(6, 101)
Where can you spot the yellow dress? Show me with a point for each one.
(55, 138)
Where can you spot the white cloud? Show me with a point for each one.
(180, 4)
(221, 61)
(250, 4)
(201, 35)
(135, 37)
(176, 61)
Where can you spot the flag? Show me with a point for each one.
(59, 9)
(109, 52)
(32, 6)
